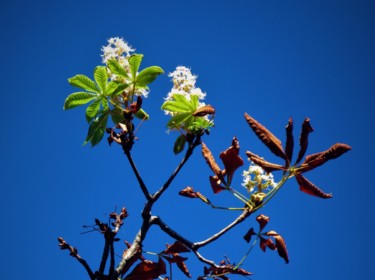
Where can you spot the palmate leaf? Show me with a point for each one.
(92, 110)
(178, 119)
(78, 98)
(111, 87)
(97, 129)
(179, 104)
(148, 75)
(134, 63)
(83, 82)
(101, 78)
(116, 68)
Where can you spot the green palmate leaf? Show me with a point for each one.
(199, 123)
(105, 104)
(117, 69)
(179, 144)
(83, 82)
(182, 101)
(97, 130)
(120, 89)
(148, 75)
(179, 105)
(134, 63)
(117, 115)
(178, 119)
(101, 77)
(194, 101)
(78, 98)
(92, 110)
(141, 114)
(111, 87)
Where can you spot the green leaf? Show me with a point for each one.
(141, 114)
(148, 75)
(179, 144)
(78, 98)
(176, 120)
(105, 104)
(117, 115)
(83, 82)
(194, 101)
(179, 105)
(101, 77)
(181, 99)
(111, 87)
(116, 68)
(96, 130)
(134, 63)
(92, 110)
(120, 88)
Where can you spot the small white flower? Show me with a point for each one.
(115, 49)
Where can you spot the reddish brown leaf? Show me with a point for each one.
(204, 111)
(188, 192)
(267, 243)
(266, 165)
(177, 247)
(336, 150)
(263, 221)
(147, 270)
(210, 160)
(307, 187)
(175, 258)
(304, 138)
(280, 245)
(135, 106)
(270, 140)
(231, 159)
(289, 145)
(249, 234)
(215, 184)
(182, 266)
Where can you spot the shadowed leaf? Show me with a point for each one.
(147, 270)
(289, 145)
(232, 161)
(270, 140)
(215, 184)
(188, 192)
(307, 187)
(263, 221)
(304, 139)
(249, 234)
(177, 247)
(267, 243)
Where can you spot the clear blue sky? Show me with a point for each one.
(272, 59)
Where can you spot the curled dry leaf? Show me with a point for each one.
(204, 111)
(188, 192)
(177, 247)
(266, 165)
(210, 160)
(307, 187)
(249, 234)
(263, 221)
(147, 270)
(232, 161)
(280, 245)
(135, 106)
(270, 140)
(216, 184)
(304, 138)
(289, 145)
(267, 243)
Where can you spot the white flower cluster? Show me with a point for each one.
(119, 50)
(255, 177)
(116, 49)
(184, 83)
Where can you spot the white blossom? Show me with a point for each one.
(256, 177)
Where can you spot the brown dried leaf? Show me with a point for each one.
(188, 192)
(280, 245)
(304, 139)
(289, 145)
(267, 243)
(147, 270)
(263, 221)
(204, 111)
(307, 187)
(182, 266)
(249, 234)
(317, 159)
(266, 165)
(135, 106)
(270, 140)
(210, 160)
(215, 184)
(232, 161)
(177, 247)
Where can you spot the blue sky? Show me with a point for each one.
(271, 59)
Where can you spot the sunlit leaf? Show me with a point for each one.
(232, 161)
(83, 82)
(263, 221)
(280, 245)
(148, 75)
(116, 68)
(210, 160)
(307, 187)
(92, 110)
(77, 99)
(101, 77)
(134, 63)
(141, 114)
(204, 111)
(267, 166)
